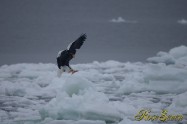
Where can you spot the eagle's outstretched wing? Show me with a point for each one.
(77, 43)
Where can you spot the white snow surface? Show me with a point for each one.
(108, 92)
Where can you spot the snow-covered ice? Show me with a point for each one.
(177, 55)
(108, 92)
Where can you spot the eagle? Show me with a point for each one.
(64, 56)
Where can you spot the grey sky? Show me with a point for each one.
(35, 30)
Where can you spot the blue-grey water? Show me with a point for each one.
(34, 31)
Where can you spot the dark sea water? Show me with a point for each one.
(34, 31)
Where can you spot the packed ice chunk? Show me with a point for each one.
(179, 104)
(88, 104)
(155, 77)
(178, 52)
(176, 55)
(162, 57)
(73, 84)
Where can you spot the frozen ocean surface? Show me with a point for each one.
(108, 92)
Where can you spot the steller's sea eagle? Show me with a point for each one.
(64, 56)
